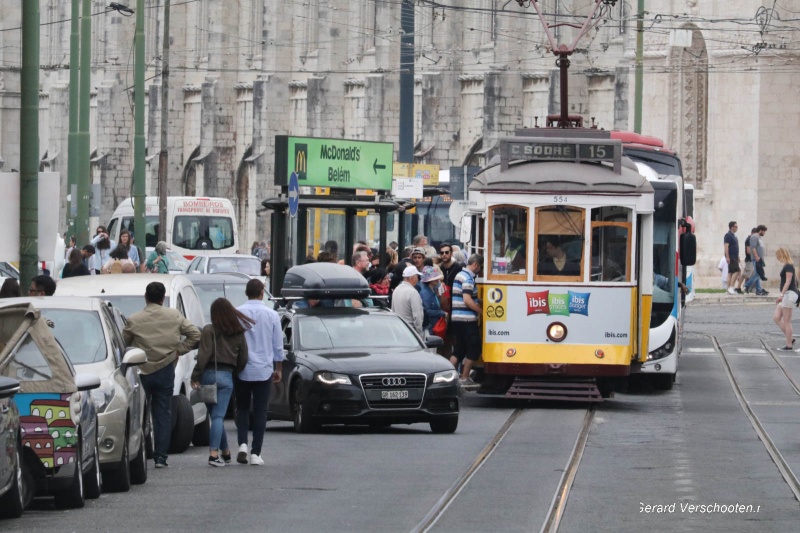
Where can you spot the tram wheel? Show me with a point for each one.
(663, 381)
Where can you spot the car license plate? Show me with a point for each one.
(394, 394)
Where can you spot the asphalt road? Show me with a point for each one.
(689, 446)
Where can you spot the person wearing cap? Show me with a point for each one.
(406, 301)
(429, 292)
(418, 258)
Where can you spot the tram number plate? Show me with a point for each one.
(394, 394)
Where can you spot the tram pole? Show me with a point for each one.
(639, 81)
(139, 193)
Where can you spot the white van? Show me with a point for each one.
(195, 226)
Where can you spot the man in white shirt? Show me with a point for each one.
(265, 351)
(406, 301)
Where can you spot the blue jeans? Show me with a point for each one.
(158, 386)
(755, 279)
(258, 391)
(217, 440)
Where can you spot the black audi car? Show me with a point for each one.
(356, 365)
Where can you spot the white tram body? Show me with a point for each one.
(565, 225)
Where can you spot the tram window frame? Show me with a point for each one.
(540, 240)
(612, 216)
(490, 273)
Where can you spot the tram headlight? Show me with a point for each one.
(663, 350)
(556, 332)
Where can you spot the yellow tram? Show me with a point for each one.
(565, 226)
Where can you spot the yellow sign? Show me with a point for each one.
(495, 308)
(322, 191)
(428, 173)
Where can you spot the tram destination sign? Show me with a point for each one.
(335, 163)
(561, 149)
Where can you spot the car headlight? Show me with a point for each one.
(447, 376)
(329, 378)
(103, 395)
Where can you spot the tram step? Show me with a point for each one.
(562, 390)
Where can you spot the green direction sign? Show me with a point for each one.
(337, 163)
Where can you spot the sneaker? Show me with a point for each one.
(241, 457)
(731, 291)
(161, 463)
(738, 290)
(747, 289)
(786, 349)
(215, 461)
(762, 293)
(256, 460)
(227, 457)
(467, 382)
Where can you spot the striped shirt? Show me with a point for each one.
(464, 282)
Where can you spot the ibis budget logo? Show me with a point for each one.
(545, 303)
(496, 308)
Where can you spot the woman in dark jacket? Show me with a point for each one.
(429, 291)
(221, 355)
(75, 266)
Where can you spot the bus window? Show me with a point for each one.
(203, 232)
(509, 234)
(611, 228)
(559, 243)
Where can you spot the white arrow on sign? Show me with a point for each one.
(293, 193)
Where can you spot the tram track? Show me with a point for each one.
(557, 505)
(780, 462)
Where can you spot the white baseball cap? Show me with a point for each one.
(411, 271)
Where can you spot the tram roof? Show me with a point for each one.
(533, 177)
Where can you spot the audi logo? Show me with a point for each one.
(393, 382)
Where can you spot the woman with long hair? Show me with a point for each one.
(787, 298)
(221, 355)
(125, 239)
(10, 289)
(75, 266)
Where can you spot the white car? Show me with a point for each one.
(214, 264)
(126, 293)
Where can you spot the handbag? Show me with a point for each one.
(207, 393)
(440, 328)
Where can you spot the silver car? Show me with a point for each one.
(89, 329)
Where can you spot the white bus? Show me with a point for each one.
(195, 226)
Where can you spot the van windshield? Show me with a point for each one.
(199, 232)
(150, 229)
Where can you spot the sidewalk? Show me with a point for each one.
(723, 298)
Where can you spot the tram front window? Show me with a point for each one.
(559, 243)
(509, 239)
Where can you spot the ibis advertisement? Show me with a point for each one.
(591, 315)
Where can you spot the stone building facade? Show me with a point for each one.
(725, 95)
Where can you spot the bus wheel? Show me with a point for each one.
(663, 381)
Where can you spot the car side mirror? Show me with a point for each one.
(134, 356)
(87, 382)
(432, 341)
(8, 387)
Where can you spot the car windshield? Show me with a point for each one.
(80, 334)
(246, 265)
(129, 305)
(28, 363)
(177, 261)
(208, 292)
(355, 333)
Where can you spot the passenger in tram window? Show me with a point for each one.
(556, 262)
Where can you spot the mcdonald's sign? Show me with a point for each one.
(335, 163)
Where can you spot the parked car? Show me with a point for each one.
(230, 286)
(90, 332)
(16, 480)
(126, 293)
(58, 420)
(211, 264)
(347, 365)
